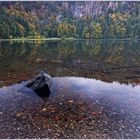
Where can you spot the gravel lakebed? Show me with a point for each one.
(76, 108)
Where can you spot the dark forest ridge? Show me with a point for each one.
(75, 19)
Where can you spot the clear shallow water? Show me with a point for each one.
(76, 108)
(95, 92)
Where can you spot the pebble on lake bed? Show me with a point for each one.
(19, 114)
(70, 101)
(44, 109)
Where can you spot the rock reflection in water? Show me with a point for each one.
(76, 108)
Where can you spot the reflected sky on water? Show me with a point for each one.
(90, 108)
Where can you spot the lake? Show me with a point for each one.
(95, 91)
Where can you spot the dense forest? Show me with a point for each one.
(73, 19)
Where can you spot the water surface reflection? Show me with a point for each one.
(106, 60)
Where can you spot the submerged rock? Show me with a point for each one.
(41, 84)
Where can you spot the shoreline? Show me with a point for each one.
(41, 39)
(61, 39)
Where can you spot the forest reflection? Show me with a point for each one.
(106, 60)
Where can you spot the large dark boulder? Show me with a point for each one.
(41, 84)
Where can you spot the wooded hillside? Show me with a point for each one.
(70, 19)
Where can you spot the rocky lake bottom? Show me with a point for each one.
(75, 108)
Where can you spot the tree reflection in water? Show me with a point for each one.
(107, 60)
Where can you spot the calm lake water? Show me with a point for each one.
(95, 91)
(106, 60)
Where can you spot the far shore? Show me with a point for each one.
(60, 39)
(37, 39)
